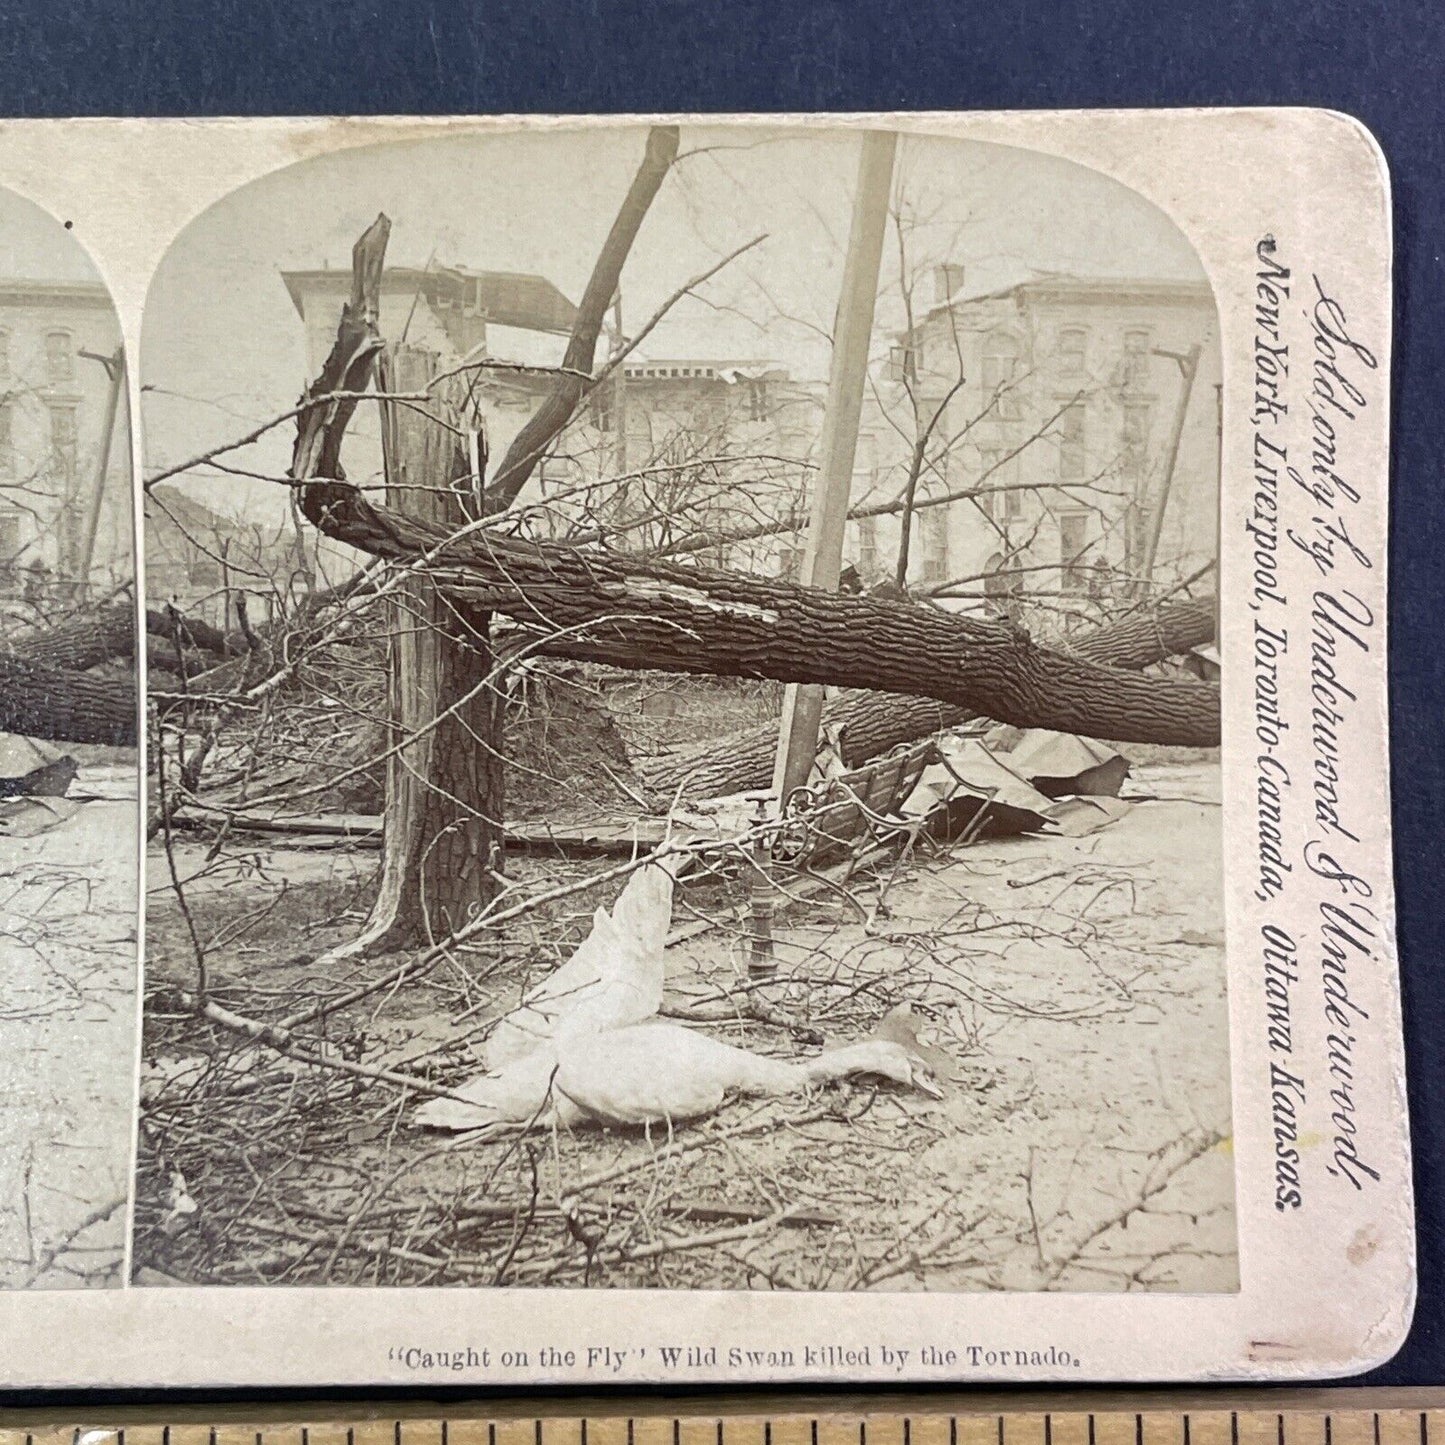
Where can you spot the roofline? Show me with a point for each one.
(1090, 288)
(20, 292)
(716, 363)
(169, 493)
(415, 276)
(294, 280)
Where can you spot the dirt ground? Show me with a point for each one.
(1074, 989)
(67, 1039)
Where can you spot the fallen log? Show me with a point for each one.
(868, 724)
(46, 691)
(202, 636)
(633, 613)
(62, 705)
(86, 640)
(107, 634)
(605, 838)
(194, 633)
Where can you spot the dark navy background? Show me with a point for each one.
(1384, 63)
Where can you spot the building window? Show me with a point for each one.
(1073, 543)
(865, 463)
(7, 439)
(63, 437)
(999, 374)
(933, 535)
(710, 411)
(1073, 343)
(603, 413)
(758, 401)
(1000, 469)
(1003, 585)
(59, 356)
(868, 547)
(903, 364)
(12, 538)
(1071, 443)
(1135, 372)
(948, 281)
(1134, 437)
(1136, 537)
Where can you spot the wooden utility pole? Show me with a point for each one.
(852, 335)
(115, 370)
(619, 390)
(1189, 367)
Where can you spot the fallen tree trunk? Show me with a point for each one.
(202, 636)
(62, 705)
(194, 633)
(45, 691)
(82, 641)
(659, 616)
(107, 634)
(868, 724)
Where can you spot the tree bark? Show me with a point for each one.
(108, 634)
(868, 724)
(200, 635)
(605, 607)
(442, 828)
(82, 641)
(62, 705)
(195, 633)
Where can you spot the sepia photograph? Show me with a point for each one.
(683, 721)
(69, 779)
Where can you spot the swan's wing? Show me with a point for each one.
(613, 979)
(533, 1023)
(643, 913)
(590, 964)
(632, 984)
(626, 949)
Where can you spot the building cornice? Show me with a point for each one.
(91, 294)
(1044, 291)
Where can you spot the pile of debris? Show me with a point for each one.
(1047, 783)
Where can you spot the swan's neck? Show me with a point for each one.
(840, 1063)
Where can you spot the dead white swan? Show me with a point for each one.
(652, 1073)
(583, 1046)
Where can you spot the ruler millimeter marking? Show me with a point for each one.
(954, 1423)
